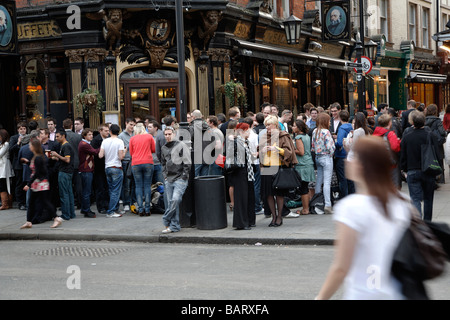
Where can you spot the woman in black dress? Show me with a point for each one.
(242, 177)
(40, 207)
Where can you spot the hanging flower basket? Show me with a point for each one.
(89, 100)
(234, 92)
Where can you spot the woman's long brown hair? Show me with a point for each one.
(375, 159)
(323, 122)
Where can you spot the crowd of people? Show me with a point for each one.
(147, 169)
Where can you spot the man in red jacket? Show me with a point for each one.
(384, 130)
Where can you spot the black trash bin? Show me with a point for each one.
(210, 202)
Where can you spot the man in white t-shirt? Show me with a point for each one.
(113, 149)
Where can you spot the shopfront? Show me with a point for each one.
(290, 78)
(425, 81)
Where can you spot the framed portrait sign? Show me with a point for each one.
(336, 21)
(8, 30)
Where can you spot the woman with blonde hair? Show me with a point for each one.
(370, 225)
(142, 146)
(276, 149)
(323, 146)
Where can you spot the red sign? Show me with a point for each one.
(367, 64)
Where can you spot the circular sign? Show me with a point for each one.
(367, 64)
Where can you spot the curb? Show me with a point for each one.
(169, 239)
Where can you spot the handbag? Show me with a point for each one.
(286, 178)
(220, 160)
(40, 185)
(430, 162)
(419, 252)
(231, 164)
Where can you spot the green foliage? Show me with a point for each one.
(234, 92)
(88, 100)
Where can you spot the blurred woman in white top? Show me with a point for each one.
(369, 225)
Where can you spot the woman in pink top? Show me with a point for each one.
(141, 147)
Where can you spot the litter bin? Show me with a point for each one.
(210, 202)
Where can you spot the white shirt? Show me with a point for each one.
(112, 147)
(369, 277)
(253, 144)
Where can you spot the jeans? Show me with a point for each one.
(201, 170)
(143, 174)
(114, 176)
(215, 170)
(174, 191)
(66, 195)
(86, 183)
(346, 186)
(324, 175)
(157, 173)
(421, 188)
(257, 187)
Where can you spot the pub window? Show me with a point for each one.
(35, 91)
(282, 86)
(57, 79)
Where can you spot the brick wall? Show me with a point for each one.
(36, 3)
(298, 6)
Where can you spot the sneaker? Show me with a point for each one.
(328, 210)
(126, 208)
(260, 212)
(113, 215)
(167, 230)
(292, 215)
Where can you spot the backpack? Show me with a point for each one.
(317, 204)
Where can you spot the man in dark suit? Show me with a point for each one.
(100, 183)
(234, 114)
(74, 140)
(15, 142)
(405, 114)
(335, 121)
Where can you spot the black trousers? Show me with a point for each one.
(40, 208)
(19, 184)
(244, 200)
(101, 189)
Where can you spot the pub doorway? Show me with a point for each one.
(155, 94)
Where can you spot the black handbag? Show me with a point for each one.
(420, 253)
(430, 162)
(286, 178)
(231, 165)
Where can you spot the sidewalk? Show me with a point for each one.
(304, 230)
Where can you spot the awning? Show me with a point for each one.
(428, 77)
(282, 54)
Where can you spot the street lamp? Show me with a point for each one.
(370, 50)
(293, 29)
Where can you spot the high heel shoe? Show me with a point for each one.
(272, 224)
(278, 224)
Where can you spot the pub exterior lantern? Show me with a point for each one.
(293, 27)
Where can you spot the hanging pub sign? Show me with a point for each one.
(8, 33)
(336, 21)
